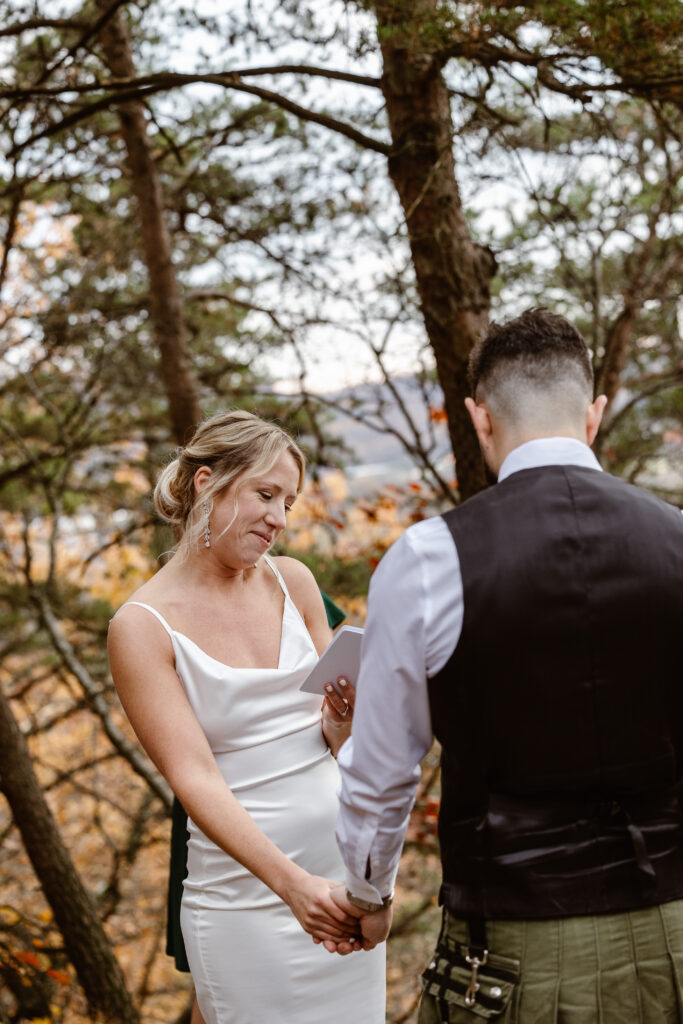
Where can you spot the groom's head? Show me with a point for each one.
(531, 377)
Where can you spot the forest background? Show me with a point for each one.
(263, 206)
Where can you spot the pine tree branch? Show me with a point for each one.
(121, 91)
(90, 31)
(486, 54)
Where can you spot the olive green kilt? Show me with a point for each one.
(609, 969)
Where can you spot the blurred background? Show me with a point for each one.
(309, 210)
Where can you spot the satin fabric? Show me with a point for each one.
(250, 959)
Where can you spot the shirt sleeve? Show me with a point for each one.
(392, 728)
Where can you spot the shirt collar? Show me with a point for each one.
(548, 451)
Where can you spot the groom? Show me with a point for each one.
(536, 631)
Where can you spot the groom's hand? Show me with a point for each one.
(374, 927)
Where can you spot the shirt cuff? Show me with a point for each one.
(373, 892)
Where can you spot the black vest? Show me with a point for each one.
(560, 712)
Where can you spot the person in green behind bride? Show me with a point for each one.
(208, 658)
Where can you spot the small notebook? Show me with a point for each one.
(340, 658)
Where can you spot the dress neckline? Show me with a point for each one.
(224, 664)
(240, 668)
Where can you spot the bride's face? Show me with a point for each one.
(250, 514)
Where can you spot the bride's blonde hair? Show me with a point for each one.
(232, 444)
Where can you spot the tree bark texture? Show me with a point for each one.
(165, 299)
(86, 943)
(616, 347)
(453, 272)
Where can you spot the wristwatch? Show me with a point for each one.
(366, 905)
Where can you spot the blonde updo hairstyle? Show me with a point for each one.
(232, 444)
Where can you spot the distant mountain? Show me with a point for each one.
(378, 457)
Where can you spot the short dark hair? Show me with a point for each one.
(538, 343)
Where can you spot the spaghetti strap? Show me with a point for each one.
(278, 575)
(155, 613)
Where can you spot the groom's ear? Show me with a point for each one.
(594, 416)
(481, 421)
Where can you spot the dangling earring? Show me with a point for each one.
(207, 528)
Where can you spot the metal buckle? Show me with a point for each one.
(475, 963)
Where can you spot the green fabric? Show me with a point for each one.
(608, 969)
(334, 613)
(175, 945)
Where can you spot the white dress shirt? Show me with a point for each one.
(415, 614)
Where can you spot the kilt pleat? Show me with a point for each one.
(622, 968)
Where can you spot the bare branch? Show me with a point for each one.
(60, 777)
(111, 896)
(34, 24)
(83, 788)
(654, 383)
(415, 450)
(12, 220)
(118, 538)
(310, 69)
(129, 750)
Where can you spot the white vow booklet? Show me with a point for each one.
(340, 658)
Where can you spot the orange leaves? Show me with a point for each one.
(424, 821)
(353, 519)
(431, 809)
(437, 414)
(61, 977)
(40, 962)
(24, 957)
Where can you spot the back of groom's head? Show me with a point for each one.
(534, 370)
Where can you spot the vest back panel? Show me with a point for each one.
(560, 713)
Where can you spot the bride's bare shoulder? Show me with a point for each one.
(131, 619)
(296, 575)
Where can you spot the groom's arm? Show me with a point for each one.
(391, 725)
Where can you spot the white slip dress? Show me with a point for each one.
(251, 962)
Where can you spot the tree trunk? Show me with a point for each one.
(165, 299)
(616, 347)
(453, 273)
(87, 946)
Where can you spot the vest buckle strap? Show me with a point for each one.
(475, 961)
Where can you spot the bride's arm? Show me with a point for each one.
(304, 591)
(142, 666)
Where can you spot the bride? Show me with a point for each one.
(207, 658)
